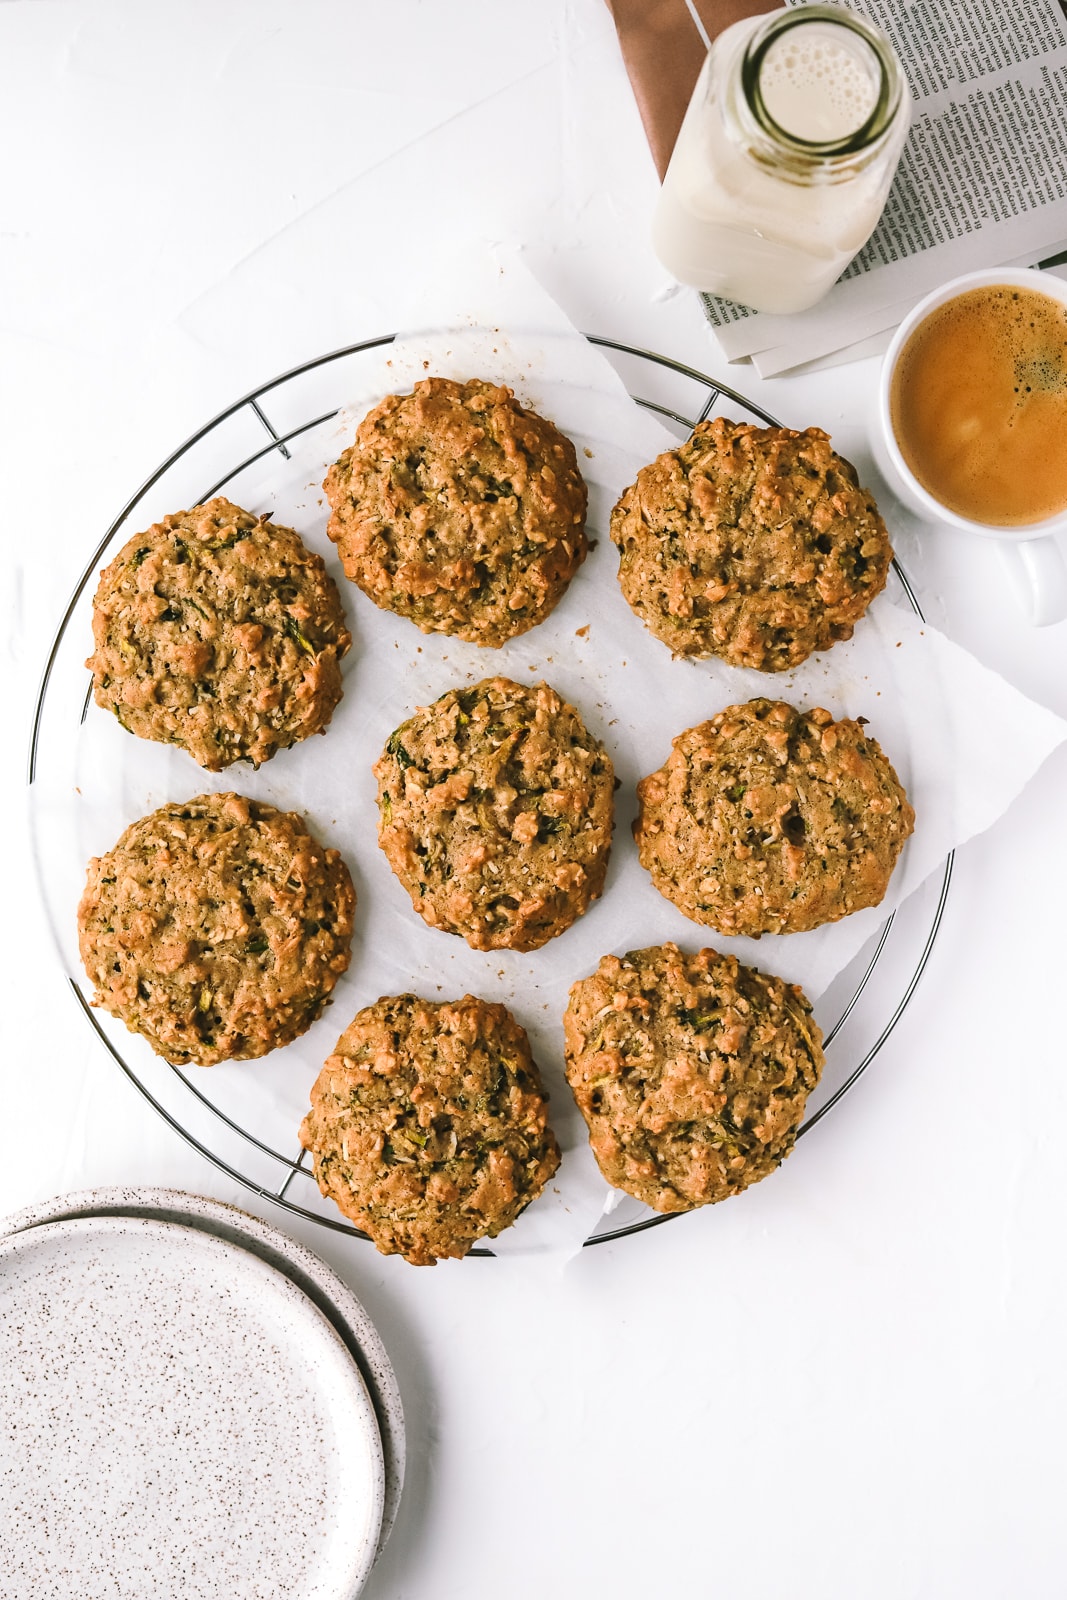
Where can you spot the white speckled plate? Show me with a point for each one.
(178, 1419)
(302, 1266)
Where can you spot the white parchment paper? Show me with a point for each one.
(961, 739)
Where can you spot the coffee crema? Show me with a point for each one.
(978, 404)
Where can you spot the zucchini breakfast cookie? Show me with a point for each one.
(216, 928)
(692, 1072)
(495, 811)
(753, 544)
(460, 509)
(220, 632)
(429, 1125)
(771, 820)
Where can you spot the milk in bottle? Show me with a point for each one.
(785, 157)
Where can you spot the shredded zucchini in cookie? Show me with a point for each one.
(429, 1125)
(460, 509)
(772, 820)
(216, 928)
(219, 632)
(691, 1071)
(495, 812)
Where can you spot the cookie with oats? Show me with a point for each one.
(217, 928)
(220, 632)
(772, 820)
(429, 1125)
(496, 807)
(691, 1071)
(757, 545)
(461, 509)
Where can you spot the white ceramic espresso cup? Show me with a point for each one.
(1031, 549)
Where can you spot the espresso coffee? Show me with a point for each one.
(978, 404)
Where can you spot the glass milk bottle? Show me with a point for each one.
(785, 157)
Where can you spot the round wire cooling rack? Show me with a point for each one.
(865, 1002)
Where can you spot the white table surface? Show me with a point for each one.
(848, 1383)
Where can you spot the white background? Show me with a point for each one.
(848, 1383)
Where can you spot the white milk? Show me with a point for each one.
(818, 86)
(758, 205)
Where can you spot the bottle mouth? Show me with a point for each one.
(862, 48)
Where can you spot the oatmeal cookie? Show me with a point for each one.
(460, 509)
(429, 1125)
(220, 632)
(771, 820)
(495, 811)
(754, 544)
(216, 929)
(692, 1072)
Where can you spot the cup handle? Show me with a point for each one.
(1040, 575)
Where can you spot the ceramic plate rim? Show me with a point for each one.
(21, 1243)
(295, 1260)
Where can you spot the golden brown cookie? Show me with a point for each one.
(220, 632)
(692, 1072)
(771, 820)
(217, 928)
(429, 1125)
(495, 811)
(461, 509)
(753, 544)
